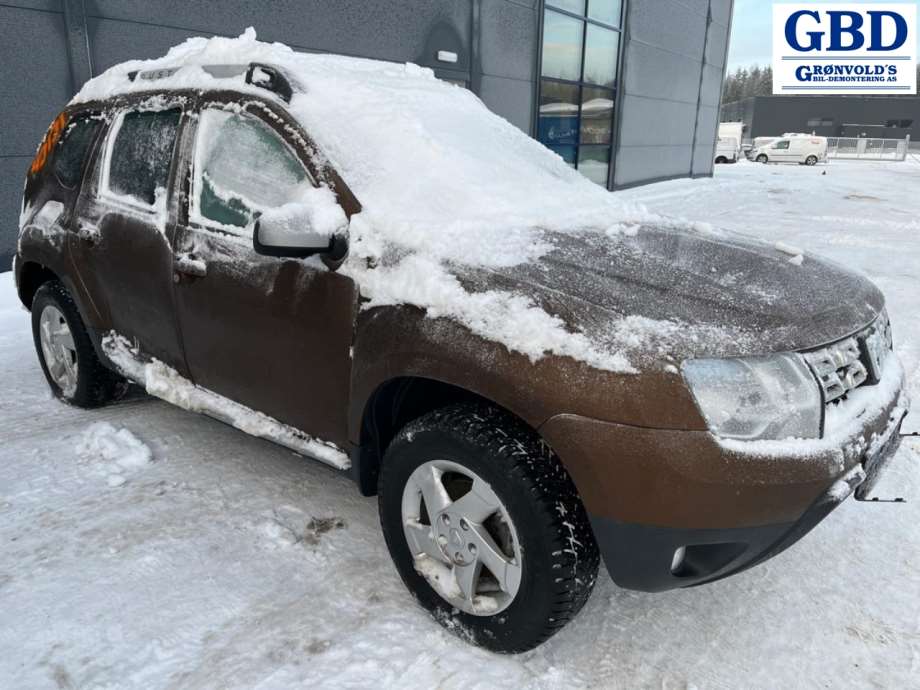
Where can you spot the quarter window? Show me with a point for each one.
(72, 150)
(141, 154)
(581, 42)
(242, 167)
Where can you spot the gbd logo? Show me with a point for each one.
(844, 48)
(846, 30)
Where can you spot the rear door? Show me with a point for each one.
(125, 223)
(273, 334)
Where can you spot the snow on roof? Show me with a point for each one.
(438, 175)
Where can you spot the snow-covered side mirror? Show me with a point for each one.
(289, 235)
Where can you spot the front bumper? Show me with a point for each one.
(642, 557)
(650, 493)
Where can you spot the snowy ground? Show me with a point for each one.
(143, 546)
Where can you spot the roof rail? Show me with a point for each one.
(270, 78)
(258, 74)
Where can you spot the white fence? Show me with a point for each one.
(864, 148)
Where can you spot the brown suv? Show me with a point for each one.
(749, 389)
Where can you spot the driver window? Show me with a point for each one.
(242, 167)
(781, 145)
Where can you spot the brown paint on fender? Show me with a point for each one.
(402, 341)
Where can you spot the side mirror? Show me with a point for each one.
(289, 235)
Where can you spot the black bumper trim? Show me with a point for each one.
(640, 557)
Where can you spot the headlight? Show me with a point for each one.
(749, 398)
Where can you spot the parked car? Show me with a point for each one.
(726, 150)
(805, 150)
(696, 401)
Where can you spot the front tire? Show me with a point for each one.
(66, 353)
(762, 158)
(485, 527)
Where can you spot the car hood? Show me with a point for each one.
(667, 293)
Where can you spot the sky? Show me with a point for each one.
(751, 41)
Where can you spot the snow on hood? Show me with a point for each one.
(445, 185)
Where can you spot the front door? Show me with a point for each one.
(272, 334)
(780, 151)
(125, 221)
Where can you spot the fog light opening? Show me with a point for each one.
(678, 560)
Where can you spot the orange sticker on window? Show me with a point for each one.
(51, 138)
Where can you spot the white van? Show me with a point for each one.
(726, 150)
(732, 130)
(807, 150)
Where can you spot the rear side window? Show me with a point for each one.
(141, 153)
(242, 168)
(72, 149)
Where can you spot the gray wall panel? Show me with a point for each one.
(398, 31)
(674, 60)
(116, 41)
(716, 45)
(707, 124)
(670, 25)
(12, 178)
(711, 88)
(659, 73)
(510, 98)
(721, 11)
(641, 163)
(36, 83)
(43, 5)
(653, 122)
(506, 27)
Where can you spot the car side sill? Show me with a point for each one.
(166, 383)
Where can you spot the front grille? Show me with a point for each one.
(852, 362)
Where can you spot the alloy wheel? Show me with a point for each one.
(461, 537)
(58, 349)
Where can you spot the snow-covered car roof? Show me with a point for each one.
(415, 150)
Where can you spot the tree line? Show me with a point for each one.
(753, 81)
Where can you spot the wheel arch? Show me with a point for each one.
(31, 276)
(393, 404)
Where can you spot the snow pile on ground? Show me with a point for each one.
(443, 182)
(114, 450)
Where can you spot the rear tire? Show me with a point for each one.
(66, 353)
(721, 159)
(811, 160)
(549, 547)
(762, 158)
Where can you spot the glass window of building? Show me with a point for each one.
(578, 81)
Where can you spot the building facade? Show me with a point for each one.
(882, 117)
(627, 91)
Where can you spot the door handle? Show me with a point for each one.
(189, 265)
(89, 234)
